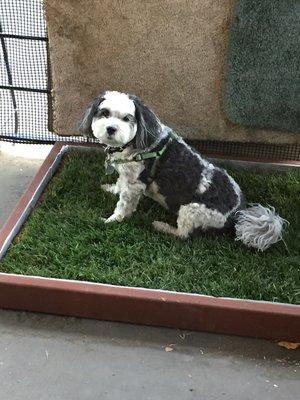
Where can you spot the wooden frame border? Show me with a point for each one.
(266, 320)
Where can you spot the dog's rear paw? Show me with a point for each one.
(166, 228)
(159, 226)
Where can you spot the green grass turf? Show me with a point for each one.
(65, 238)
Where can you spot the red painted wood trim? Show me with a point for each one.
(149, 307)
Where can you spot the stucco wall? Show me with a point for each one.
(171, 53)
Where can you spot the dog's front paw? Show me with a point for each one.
(112, 218)
(110, 188)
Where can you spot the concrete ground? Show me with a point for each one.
(56, 358)
(15, 175)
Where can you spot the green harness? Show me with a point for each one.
(110, 165)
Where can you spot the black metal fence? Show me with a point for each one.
(25, 92)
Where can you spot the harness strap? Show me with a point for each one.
(143, 156)
(153, 171)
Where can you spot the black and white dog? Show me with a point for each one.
(152, 161)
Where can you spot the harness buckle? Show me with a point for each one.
(138, 157)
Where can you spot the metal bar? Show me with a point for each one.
(25, 37)
(48, 140)
(9, 77)
(23, 89)
(19, 139)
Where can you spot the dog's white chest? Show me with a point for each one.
(129, 173)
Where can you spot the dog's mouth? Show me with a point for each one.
(106, 140)
(111, 142)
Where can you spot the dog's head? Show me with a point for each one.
(117, 119)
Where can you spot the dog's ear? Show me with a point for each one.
(85, 125)
(148, 125)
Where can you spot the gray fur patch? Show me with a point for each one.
(259, 226)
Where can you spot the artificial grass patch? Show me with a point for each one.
(263, 65)
(65, 238)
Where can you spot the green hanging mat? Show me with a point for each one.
(262, 84)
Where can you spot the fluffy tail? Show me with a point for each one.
(258, 226)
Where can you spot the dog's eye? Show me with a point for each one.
(127, 118)
(104, 113)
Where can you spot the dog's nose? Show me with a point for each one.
(111, 130)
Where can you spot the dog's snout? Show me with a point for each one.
(111, 130)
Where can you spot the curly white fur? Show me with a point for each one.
(259, 226)
(129, 188)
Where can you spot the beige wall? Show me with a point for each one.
(171, 53)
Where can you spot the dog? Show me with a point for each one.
(152, 160)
